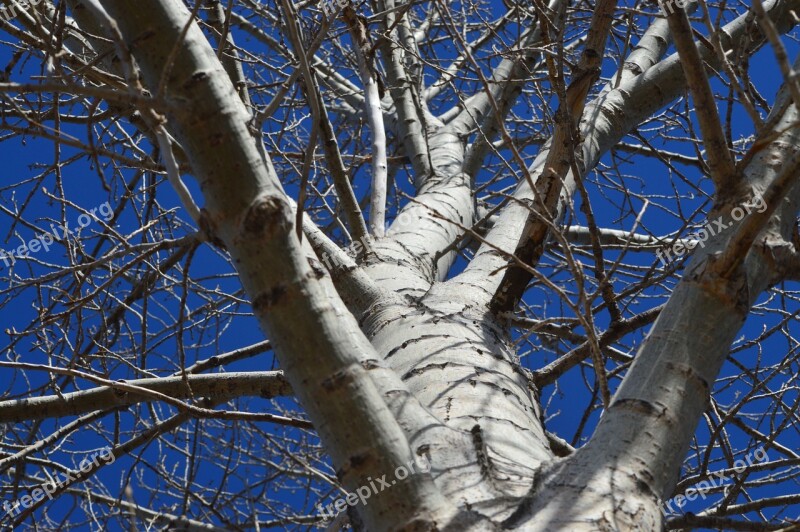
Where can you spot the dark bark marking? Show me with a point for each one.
(197, 77)
(415, 340)
(420, 371)
(370, 364)
(266, 300)
(356, 461)
(482, 454)
(689, 373)
(639, 405)
(266, 216)
(316, 267)
(339, 378)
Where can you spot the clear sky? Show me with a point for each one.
(28, 170)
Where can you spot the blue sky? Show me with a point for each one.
(27, 169)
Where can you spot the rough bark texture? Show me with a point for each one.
(478, 420)
(396, 357)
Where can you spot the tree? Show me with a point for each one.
(450, 221)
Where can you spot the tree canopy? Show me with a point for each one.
(399, 265)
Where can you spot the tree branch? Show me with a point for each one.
(334, 371)
(411, 109)
(611, 116)
(218, 386)
(667, 387)
(374, 113)
(560, 157)
(720, 160)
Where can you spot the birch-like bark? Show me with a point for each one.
(374, 113)
(266, 384)
(219, 19)
(401, 365)
(250, 213)
(720, 161)
(412, 112)
(605, 122)
(420, 238)
(666, 390)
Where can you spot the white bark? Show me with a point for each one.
(374, 113)
(329, 371)
(392, 357)
(666, 389)
(265, 384)
(606, 120)
(457, 361)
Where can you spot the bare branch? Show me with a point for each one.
(266, 384)
(720, 161)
